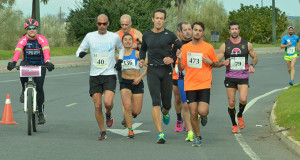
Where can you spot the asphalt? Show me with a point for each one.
(73, 61)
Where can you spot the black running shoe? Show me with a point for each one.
(41, 118)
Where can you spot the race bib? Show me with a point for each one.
(128, 64)
(194, 60)
(100, 61)
(291, 50)
(237, 63)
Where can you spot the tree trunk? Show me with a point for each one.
(180, 8)
(33, 15)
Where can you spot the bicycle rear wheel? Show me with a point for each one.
(29, 110)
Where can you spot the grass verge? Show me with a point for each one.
(287, 111)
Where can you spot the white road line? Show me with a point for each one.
(239, 137)
(46, 76)
(70, 105)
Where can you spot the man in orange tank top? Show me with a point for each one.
(126, 23)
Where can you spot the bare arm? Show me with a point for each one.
(254, 58)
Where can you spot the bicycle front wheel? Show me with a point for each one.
(29, 109)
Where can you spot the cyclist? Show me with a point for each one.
(36, 51)
(131, 86)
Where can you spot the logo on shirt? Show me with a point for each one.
(236, 51)
(166, 33)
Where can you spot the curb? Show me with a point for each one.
(282, 134)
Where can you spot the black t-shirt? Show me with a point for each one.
(159, 46)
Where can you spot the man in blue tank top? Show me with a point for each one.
(290, 43)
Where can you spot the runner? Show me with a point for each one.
(36, 51)
(197, 82)
(291, 44)
(158, 42)
(126, 23)
(102, 45)
(177, 101)
(185, 30)
(236, 51)
(131, 86)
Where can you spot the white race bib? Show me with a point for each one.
(237, 63)
(291, 50)
(100, 61)
(194, 60)
(128, 64)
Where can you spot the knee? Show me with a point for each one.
(98, 107)
(243, 100)
(232, 103)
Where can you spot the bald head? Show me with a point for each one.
(102, 17)
(125, 17)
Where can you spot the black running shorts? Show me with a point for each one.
(101, 83)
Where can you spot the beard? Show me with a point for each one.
(290, 33)
(234, 36)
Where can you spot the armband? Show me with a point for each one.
(213, 64)
(253, 65)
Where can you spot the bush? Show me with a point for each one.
(12, 28)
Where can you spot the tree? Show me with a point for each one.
(256, 23)
(211, 12)
(8, 3)
(82, 20)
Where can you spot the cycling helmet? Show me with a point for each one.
(31, 22)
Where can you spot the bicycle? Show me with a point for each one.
(30, 94)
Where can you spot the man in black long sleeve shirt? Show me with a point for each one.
(158, 42)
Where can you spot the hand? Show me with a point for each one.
(118, 65)
(251, 69)
(226, 62)
(179, 53)
(290, 43)
(82, 54)
(141, 63)
(168, 60)
(50, 66)
(207, 61)
(136, 81)
(11, 65)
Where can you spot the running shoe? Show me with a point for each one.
(203, 120)
(190, 137)
(161, 138)
(178, 126)
(102, 136)
(109, 121)
(22, 97)
(235, 129)
(241, 123)
(41, 118)
(165, 117)
(291, 82)
(197, 142)
(130, 134)
(124, 123)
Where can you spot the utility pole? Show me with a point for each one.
(37, 12)
(262, 3)
(273, 22)
(60, 15)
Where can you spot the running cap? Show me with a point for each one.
(290, 27)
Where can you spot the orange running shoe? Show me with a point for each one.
(235, 129)
(130, 134)
(241, 123)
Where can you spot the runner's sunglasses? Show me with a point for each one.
(104, 24)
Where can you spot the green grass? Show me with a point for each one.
(54, 51)
(287, 111)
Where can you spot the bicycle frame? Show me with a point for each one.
(30, 72)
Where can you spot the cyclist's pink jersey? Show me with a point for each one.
(22, 43)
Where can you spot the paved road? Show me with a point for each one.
(71, 129)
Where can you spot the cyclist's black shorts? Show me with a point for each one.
(202, 95)
(135, 89)
(159, 80)
(101, 83)
(234, 82)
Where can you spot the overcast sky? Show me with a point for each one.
(290, 7)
